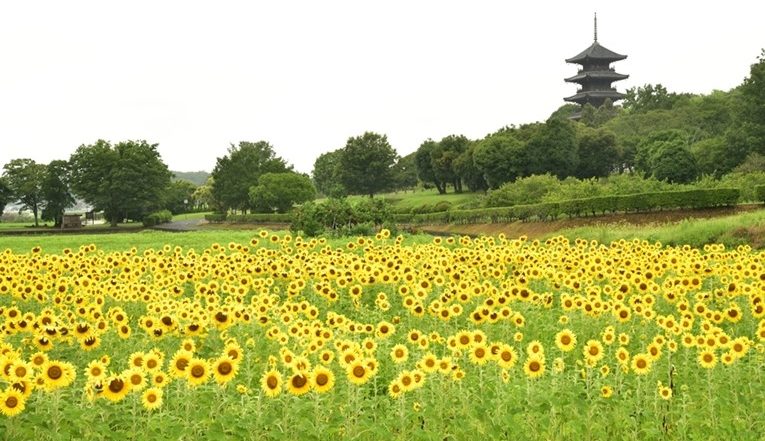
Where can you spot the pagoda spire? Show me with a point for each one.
(596, 26)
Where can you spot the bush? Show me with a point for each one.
(760, 192)
(156, 218)
(215, 217)
(340, 218)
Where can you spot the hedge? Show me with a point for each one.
(156, 218)
(759, 191)
(705, 198)
(251, 218)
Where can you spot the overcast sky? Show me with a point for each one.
(195, 77)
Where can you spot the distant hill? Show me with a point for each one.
(197, 177)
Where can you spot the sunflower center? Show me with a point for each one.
(11, 402)
(534, 366)
(21, 371)
(480, 353)
(272, 382)
(299, 381)
(116, 385)
(197, 371)
(406, 381)
(234, 354)
(641, 363)
(151, 398)
(506, 356)
(708, 358)
(136, 379)
(322, 379)
(225, 368)
(594, 350)
(95, 371)
(181, 364)
(565, 339)
(55, 372)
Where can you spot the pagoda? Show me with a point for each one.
(596, 75)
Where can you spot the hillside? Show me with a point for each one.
(197, 177)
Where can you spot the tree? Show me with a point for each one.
(6, 195)
(501, 157)
(366, 164)
(280, 191)
(25, 178)
(651, 97)
(673, 162)
(203, 195)
(179, 197)
(57, 194)
(598, 154)
(648, 148)
(424, 164)
(444, 159)
(405, 172)
(236, 172)
(126, 181)
(751, 108)
(327, 174)
(553, 149)
(467, 170)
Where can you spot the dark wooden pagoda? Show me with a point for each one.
(596, 75)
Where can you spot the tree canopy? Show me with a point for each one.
(366, 164)
(126, 180)
(280, 191)
(25, 179)
(56, 191)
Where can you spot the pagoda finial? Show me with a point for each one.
(596, 26)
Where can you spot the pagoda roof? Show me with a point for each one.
(597, 74)
(584, 96)
(596, 52)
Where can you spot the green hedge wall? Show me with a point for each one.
(251, 218)
(156, 218)
(706, 198)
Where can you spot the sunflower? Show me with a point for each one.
(399, 354)
(299, 383)
(565, 340)
(593, 351)
(96, 370)
(20, 371)
(406, 381)
(479, 354)
(136, 359)
(358, 372)
(535, 349)
(429, 362)
(665, 393)
(12, 402)
(641, 364)
(224, 370)
(271, 383)
(395, 389)
(180, 362)
(534, 367)
(707, 359)
(606, 391)
(233, 351)
(323, 379)
(160, 379)
(197, 372)
(56, 374)
(136, 378)
(152, 398)
(116, 387)
(152, 362)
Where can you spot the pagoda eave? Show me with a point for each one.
(594, 95)
(599, 75)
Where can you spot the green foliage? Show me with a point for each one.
(468, 170)
(553, 149)
(673, 162)
(339, 217)
(280, 191)
(327, 174)
(650, 97)
(405, 172)
(598, 153)
(158, 217)
(366, 164)
(760, 193)
(6, 194)
(239, 170)
(528, 190)
(126, 180)
(501, 158)
(56, 191)
(25, 179)
(258, 218)
(751, 111)
(179, 196)
(216, 217)
(197, 178)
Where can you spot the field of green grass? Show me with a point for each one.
(404, 201)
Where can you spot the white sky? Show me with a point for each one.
(306, 75)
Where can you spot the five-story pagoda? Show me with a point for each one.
(596, 75)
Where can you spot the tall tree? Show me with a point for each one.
(179, 197)
(367, 163)
(405, 172)
(444, 157)
(240, 169)
(424, 163)
(6, 194)
(501, 157)
(553, 149)
(327, 174)
(25, 178)
(751, 110)
(598, 154)
(280, 191)
(57, 193)
(468, 171)
(126, 180)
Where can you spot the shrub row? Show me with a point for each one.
(156, 218)
(576, 207)
(251, 218)
(759, 191)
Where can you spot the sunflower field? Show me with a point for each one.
(378, 338)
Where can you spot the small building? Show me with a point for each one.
(596, 74)
(71, 221)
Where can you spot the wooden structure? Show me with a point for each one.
(71, 221)
(596, 75)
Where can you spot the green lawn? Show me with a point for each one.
(403, 201)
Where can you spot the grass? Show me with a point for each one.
(729, 230)
(404, 201)
(190, 216)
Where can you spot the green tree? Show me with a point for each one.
(553, 149)
(179, 197)
(468, 171)
(501, 157)
(673, 162)
(240, 169)
(366, 164)
(327, 174)
(651, 97)
(750, 127)
(648, 148)
(424, 164)
(444, 158)
(598, 154)
(712, 156)
(6, 194)
(25, 179)
(57, 193)
(126, 181)
(280, 191)
(405, 172)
